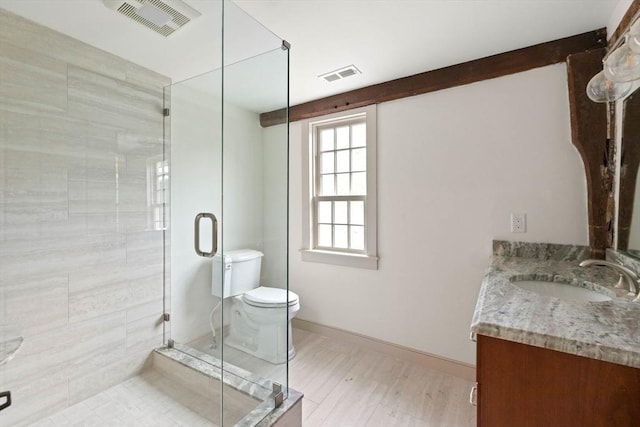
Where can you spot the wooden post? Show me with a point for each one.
(589, 135)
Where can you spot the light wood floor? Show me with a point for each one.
(343, 385)
(347, 385)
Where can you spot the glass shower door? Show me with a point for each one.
(255, 206)
(193, 161)
(227, 170)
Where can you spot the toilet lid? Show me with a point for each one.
(269, 296)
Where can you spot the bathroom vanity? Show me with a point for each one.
(549, 361)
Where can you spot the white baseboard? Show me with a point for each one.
(442, 364)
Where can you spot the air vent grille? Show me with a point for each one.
(162, 16)
(178, 18)
(347, 73)
(130, 11)
(340, 74)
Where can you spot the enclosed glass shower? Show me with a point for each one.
(221, 189)
(124, 201)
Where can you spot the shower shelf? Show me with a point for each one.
(10, 343)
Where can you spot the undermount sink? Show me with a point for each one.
(564, 291)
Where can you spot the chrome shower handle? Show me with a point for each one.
(214, 234)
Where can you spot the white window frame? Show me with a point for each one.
(157, 189)
(369, 257)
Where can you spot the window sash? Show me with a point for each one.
(317, 153)
(348, 224)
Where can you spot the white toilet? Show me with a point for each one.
(257, 321)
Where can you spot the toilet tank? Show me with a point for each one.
(235, 272)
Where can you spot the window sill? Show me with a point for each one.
(345, 259)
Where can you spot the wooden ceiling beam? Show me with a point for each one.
(625, 22)
(490, 67)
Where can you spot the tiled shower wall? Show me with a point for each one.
(81, 259)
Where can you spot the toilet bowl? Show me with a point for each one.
(260, 316)
(260, 323)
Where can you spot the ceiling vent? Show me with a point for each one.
(164, 17)
(340, 74)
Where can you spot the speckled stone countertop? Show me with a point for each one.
(608, 330)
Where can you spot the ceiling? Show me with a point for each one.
(385, 39)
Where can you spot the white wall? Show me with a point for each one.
(196, 184)
(195, 160)
(452, 166)
(274, 265)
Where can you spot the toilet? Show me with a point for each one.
(257, 322)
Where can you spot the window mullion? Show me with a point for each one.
(335, 171)
(349, 224)
(358, 198)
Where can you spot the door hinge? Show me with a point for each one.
(277, 394)
(165, 112)
(166, 317)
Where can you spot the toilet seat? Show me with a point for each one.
(267, 297)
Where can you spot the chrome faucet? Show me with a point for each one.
(630, 276)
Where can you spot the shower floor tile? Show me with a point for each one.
(144, 400)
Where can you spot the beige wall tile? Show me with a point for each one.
(145, 333)
(44, 41)
(79, 271)
(30, 406)
(106, 100)
(107, 376)
(32, 80)
(35, 304)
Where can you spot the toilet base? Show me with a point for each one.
(259, 332)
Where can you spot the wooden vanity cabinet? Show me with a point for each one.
(521, 385)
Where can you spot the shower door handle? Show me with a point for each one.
(214, 234)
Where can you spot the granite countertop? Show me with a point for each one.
(608, 330)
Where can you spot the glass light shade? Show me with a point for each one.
(633, 38)
(622, 65)
(601, 89)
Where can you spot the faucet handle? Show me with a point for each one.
(630, 276)
(621, 281)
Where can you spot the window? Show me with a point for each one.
(339, 186)
(157, 185)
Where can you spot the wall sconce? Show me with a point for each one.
(601, 89)
(621, 68)
(633, 38)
